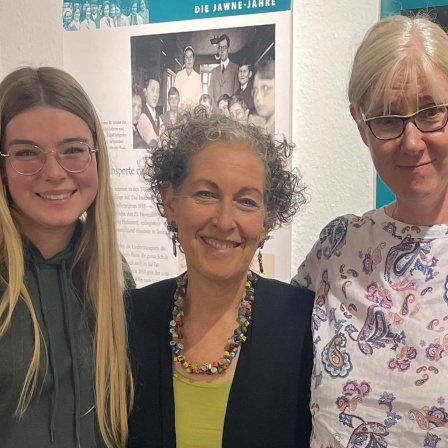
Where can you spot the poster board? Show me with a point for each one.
(108, 60)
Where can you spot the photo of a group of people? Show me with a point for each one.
(230, 72)
(95, 14)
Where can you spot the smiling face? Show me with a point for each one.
(415, 165)
(67, 17)
(244, 74)
(238, 113)
(152, 93)
(223, 50)
(220, 210)
(53, 198)
(77, 14)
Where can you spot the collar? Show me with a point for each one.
(152, 111)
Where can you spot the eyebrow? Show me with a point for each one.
(242, 190)
(17, 141)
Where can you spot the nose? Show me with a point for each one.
(411, 140)
(224, 218)
(52, 170)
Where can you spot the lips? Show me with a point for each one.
(220, 245)
(420, 165)
(55, 197)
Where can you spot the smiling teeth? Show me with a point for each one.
(218, 245)
(55, 197)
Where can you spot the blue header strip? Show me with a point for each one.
(391, 7)
(173, 10)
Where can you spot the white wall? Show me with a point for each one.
(330, 155)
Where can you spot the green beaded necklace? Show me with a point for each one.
(234, 341)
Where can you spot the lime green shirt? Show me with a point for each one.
(200, 409)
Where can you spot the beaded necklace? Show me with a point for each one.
(234, 341)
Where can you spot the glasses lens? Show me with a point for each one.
(26, 159)
(74, 156)
(432, 118)
(385, 128)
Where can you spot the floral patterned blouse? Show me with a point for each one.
(380, 330)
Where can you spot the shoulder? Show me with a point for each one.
(351, 225)
(150, 301)
(275, 291)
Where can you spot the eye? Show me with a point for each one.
(248, 202)
(204, 194)
(73, 150)
(25, 153)
(432, 113)
(386, 121)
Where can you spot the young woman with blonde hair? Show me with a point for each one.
(64, 375)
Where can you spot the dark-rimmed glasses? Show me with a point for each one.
(390, 127)
(27, 159)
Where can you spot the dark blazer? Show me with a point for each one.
(221, 83)
(247, 95)
(268, 404)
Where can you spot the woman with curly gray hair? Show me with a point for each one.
(222, 186)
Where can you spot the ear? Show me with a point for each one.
(250, 74)
(362, 128)
(169, 202)
(246, 113)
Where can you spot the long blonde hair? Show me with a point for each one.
(97, 255)
(398, 47)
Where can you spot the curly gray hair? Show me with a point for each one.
(168, 163)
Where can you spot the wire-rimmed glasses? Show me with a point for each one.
(28, 159)
(390, 127)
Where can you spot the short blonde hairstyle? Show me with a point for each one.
(97, 254)
(409, 48)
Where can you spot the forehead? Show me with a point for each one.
(173, 96)
(244, 68)
(237, 153)
(236, 106)
(189, 54)
(259, 80)
(408, 93)
(153, 83)
(137, 98)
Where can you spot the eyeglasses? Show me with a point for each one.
(223, 48)
(25, 159)
(264, 89)
(390, 127)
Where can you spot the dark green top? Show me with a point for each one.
(62, 411)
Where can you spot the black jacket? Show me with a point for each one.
(269, 398)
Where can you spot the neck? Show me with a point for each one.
(420, 213)
(209, 298)
(49, 241)
(189, 70)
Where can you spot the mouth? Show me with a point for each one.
(220, 245)
(420, 165)
(55, 197)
